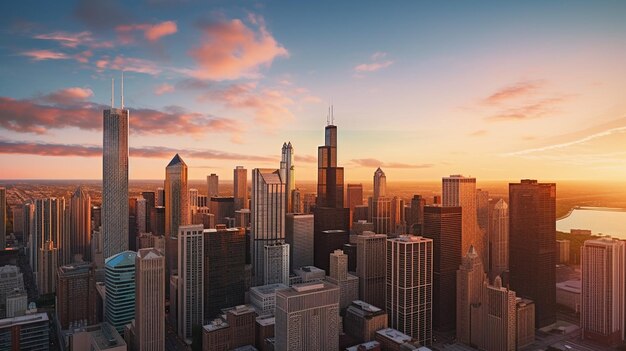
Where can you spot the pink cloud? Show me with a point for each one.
(73, 40)
(232, 50)
(69, 95)
(377, 63)
(514, 91)
(129, 64)
(373, 163)
(152, 32)
(163, 89)
(40, 55)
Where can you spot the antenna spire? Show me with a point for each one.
(122, 90)
(332, 114)
(112, 91)
(328, 117)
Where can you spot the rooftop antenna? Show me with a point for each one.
(122, 90)
(332, 114)
(328, 117)
(112, 91)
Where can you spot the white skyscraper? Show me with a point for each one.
(287, 173)
(410, 286)
(499, 239)
(602, 316)
(276, 262)
(115, 180)
(380, 184)
(190, 279)
(268, 215)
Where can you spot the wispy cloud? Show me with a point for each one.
(514, 91)
(152, 32)
(69, 96)
(377, 62)
(372, 163)
(305, 158)
(163, 89)
(129, 64)
(478, 133)
(537, 109)
(74, 40)
(41, 55)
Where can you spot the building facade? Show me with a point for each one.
(190, 280)
(150, 300)
(119, 281)
(371, 267)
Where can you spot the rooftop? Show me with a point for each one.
(268, 289)
(370, 345)
(573, 286)
(149, 253)
(22, 320)
(394, 335)
(107, 337)
(177, 160)
(265, 321)
(305, 288)
(126, 258)
(216, 324)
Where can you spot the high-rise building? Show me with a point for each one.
(525, 322)
(460, 191)
(160, 197)
(415, 219)
(28, 217)
(224, 268)
(500, 322)
(3, 218)
(48, 265)
(212, 182)
(347, 283)
(80, 224)
(149, 324)
(276, 263)
(119, 282)
(157, 221)
(470, 289)
(299, 236)
(223, 208)
(307, 317)
(409, 286)
(443, 226)
(29, 332)
(76, 295)
(362, 320)
(193, 201)
(354, 197)
(380, 214)
(329, 176)
(16, 303)
(483, 212)
(150, 197)
(380, 184)
(327, 241)
(499, 239)
(603, 263)
(142, 204)
(10, 279)
(268, 215)
(17, 213)
(288, 174)
(371, 267)
(532, 237)
(48, 225)
(176, 209)
(190, 280)
(115, 181)
(563, 248)
(240, 187)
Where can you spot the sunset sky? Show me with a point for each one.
(421, 89)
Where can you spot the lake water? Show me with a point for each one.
(600, 220)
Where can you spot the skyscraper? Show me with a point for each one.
(150, 300)
(347, 283)
(329, 176)
(354, 197)
(212, 182)
(299, 236)
(443, 226)
(409, 286)
(470, 288)
(500, 317)
(499, 239)
(380, 184)
(3, 218)
(119, 281)
(461, 191)
(240, 187)
(190, 279)
(371, 267)
(276, 262)
(268, 215)
(415, 219)
(603, 263)
(193, 201)
(176, 208)
(76, 294)
(49, 225)
(48, 264)
(532, 237)
(115, 181)
(307, 317)
(287, 173)
(150, 203)
(141, 215)
(80, 224)
(380, 214)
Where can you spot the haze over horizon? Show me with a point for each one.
(495, 91)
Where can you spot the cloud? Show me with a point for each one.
(74, 40)
(163, 89)
(372, 163)
(305, 158)
(152, 32)
(52, 149)
(477, 133)
(231, 49)
(30, 116)
(101, 14)
(40, 55)
(378, 62)
(532, 110)
(69, 96)
(514, 91)
(129, 64)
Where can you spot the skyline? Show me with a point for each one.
(421, 90)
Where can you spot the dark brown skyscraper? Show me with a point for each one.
(329, 176)
(443, 226)
(532, 234)
(76, 294)
(150, 197)
(415, 218)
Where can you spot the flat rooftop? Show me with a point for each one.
(394, 335)
(22, 320)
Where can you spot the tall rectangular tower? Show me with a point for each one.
(150, 300)
(176, 208)
(240, 187)
(190, 279)
(80, 224)
(532, 249)
(329, 176)
(370, 267)
(115, 181)
(499, 239)
(212, 181)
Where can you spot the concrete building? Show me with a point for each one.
(532, 234)
(307, 317)
(563, 251)
(76, 295)
(264, 332)
(176, 209)
(29, 332)
(443, 225)
(119, 281)
(193, 201)
(190, 280)
(347, 283)
(234, 329)
(366, 346)
(141, 215)
(288, 174)
(10, 279)
(157, 221)
(525, 322)
(499, 239)
(470, 289)
(370, 268)
(107, 338)
(150, 198)
(500, 318)
(460, 191)
(212, 182)
(307, 274)
(223, 208)
(276, 262)
(263, 298)
(149, 326)
(299, 236)
(603, 296)
(240, 187)
(16, 303)
(410, 286)
(393, 340)
(568, 294)
(114, 181)
(48, 226)
(363, 320)
(80, 224)
(268, 215)
(47, 271)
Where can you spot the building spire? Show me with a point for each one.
(332, 114)
(112, 91)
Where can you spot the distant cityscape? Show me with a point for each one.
(274, 267)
